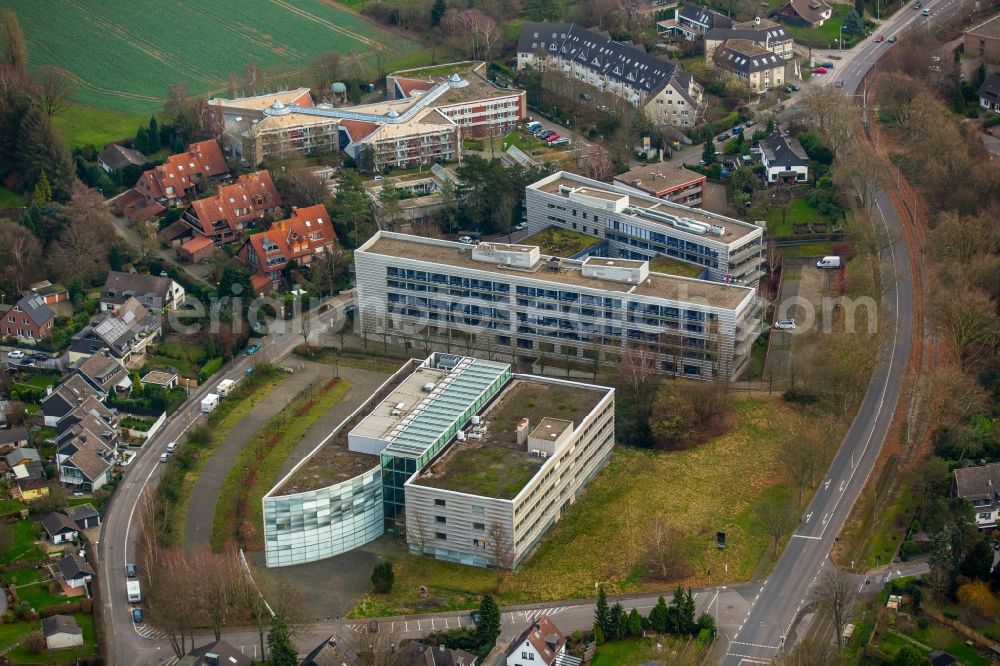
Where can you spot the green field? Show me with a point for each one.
(124, 53)
(81, 125)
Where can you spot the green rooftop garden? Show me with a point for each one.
(561, 242)
(671, 266)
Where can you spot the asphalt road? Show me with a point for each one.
(127, 642)
(768, 625)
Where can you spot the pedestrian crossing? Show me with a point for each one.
(149, 632)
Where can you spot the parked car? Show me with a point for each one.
(918, 5)
(544, 134)
(17, 353)
(130, 570)
(28, 362)
(751, 123)
(137, 615)
(820, 70)
(722, 137)
(520, 226)
(789, 89)
(927, 12)
(785, 324)
(373, 627)
(561, 141)
(552, 137)
(738, 129)
(840, 83)
(40, 356)
(879, 39)
(892, 39)
(465, 239)
(164, 457)
(252, 349)
(828, 65)
(171, 447)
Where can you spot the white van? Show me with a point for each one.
(829, 262)
(171, 446)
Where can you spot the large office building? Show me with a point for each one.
(641, 227)
(511, 301)
(457, 453)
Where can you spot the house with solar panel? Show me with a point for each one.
(667, 93)
(468, 460)
(124, 332)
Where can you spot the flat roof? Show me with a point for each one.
(734, 229)
(387, 414)
(562, 242)
(659, 176)
(496, 465)
(620, 263)
(438, 252)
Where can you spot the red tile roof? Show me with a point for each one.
(409, 85)
(246, 199)
(544, 637)
(306, 232)
(261, 283)
(180, 172)
(197, 243)
(358, 129)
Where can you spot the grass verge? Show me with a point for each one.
(601, 536)
(640, 651)
(186, 465)
(238, 509)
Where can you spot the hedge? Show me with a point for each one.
(211, 367)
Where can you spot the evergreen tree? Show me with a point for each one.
(437, 12)
(708, 153)
(859, 7)
(770, 126)
(658, 616)
(686, 614)
(383, 577)
(142, 140)
(488, 628)
(602, 614)
(598, 634)
(958, 101)
(176, 143)
(115, 258)
(853, 25)
(43, 191)
(154, 135)
(41, 150)
(31, 218)
(279, 644)
(634, 623)
(619, 622)
(981, 74)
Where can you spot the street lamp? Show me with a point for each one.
(841, 38)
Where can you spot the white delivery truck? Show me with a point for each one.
(226, 386)
(134, 592)
(829, 262)
(209, 402)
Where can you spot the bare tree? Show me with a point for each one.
(417, 532)
(775, 515)
(812, 651)
(835, 594)
(596, 164)
(500, 546)
(173, 599)
(377, 648)
(666, 550)
(81, 251)
(54, 87)
(802, 456)
(20, 256)
(968, 320)
(950, 397)
(834, 115)
(380, 52)
(862, 170)
(218, 581)
(306, 323)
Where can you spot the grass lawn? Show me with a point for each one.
(825, 36)
(225, 417)
(38, 595)
(39, 381)
(639, 651)
(255, 470)
(671, 266)
(24, 547)
(82, 125)
(187, 359)
(66, 656)
(15, 631)
(758, 354)
(943, 638)
(799, 212)
(806, 251)
(10, 199)
(523, 140)
(560, 242)
(600, 538)
(8, 506)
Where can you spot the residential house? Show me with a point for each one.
(667, 93)
(170, 183)
(664, 181)
(86, 449)
(50, 293)
(125, 332)
(224, 216)
(65, 397)
(692, 22)
(89, 406)
(75, 570)
(61, 631)
(784, 159)
(84, 515)
(766, 34)
(161, 378)
(334, 651)
(983, 40)
(418, 654)
(806, 13)
(219, 653)
(196, 249)
(981, 486)
(22, 455)
(748, 61)
(157, 294)
(423, 197)
(539, 644)
(60, 528)
(13, 438)
(104, 372)
(115, 158)
(308, 232)
(400, 139)
(989, 92)
(29, 320)
(32, 483)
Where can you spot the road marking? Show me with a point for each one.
(805, 536)
(746, 657)
(809, 517)
(756, 645)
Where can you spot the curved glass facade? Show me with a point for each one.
(325, 522)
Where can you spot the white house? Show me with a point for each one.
(989, 93)
(981, 486)
(61, 631)
(541, 643)
(60, 528)
(75, 570)
(784, 159)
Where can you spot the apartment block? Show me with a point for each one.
(641, 227)
(511, 301)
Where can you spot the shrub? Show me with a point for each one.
(34, 642)
(383, 577)
(977, 597)
(211, 367)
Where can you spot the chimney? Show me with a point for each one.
(522, 431)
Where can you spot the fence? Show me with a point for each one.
(979, 639)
